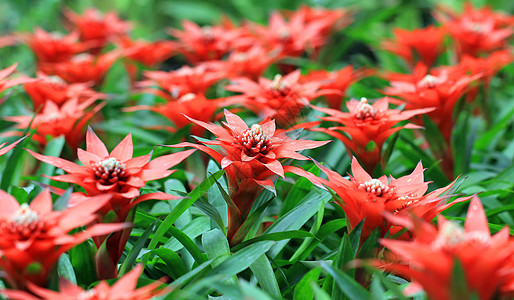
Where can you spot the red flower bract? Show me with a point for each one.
(281, 99)
(423, 45)
(33, 237)
(116, 173)
(478, 31)
(365, 124)
(250, 157)
(123, 289)
(363, 197)
(430, 258)
(94, 26)
(55, 89)
(53, 46)
(195, 106)
(69, 120)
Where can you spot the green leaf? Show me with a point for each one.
(297, 217)
(275, 236)
(325, 230)
(83, 261)
(62, 202)
(212, 212)
(53, 148)
(65, 269)
(252, 292)
(250, 221)
(459, 286)
(355, 237)
(215, 245)
(188, 243)
(136, 249)
(263, 271)
(174, 264)
(181, 208)
(214, 194)
(298, 191)
(14, 165)
(303, 289)
(346, 284)
(184, 279)
(241, 260)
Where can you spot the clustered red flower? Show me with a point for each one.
(65, 97)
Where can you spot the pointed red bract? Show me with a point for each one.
(34, 236)
(440, 88)
(96, 27)
(250, 157)
(194, 106)
(54, 46)
(478, 31)
(429, 259)
(366, 198)
(365, 124)
(68, 120)
(123, 289)
(118, 173)
(423, 45)
(282, 98)
(339, 80)
(55, 89)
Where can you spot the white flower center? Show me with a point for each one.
(374, 186)
(255, 141)
(365, 110)
(278, 83)
(25, 216)
(429, 81)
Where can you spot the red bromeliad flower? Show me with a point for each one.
(363, 197)
(430, 258)
(33, 237)
(93, 26)
(250, 157)
(150, 54)
(55, 89)
(54, 46)
(330, 19)
(116, 173)
(123, 289)
(194, 106)
(338, 81)
(172, 85)
(364, 124)
(82, 68)
(250, 63)
(478, 31)
(69, 120)
(5, 84)
(119, 175)
(488, 67)
(441, 88)
(201, 44)
(423, 45)
(295, 37)
(282, 98)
